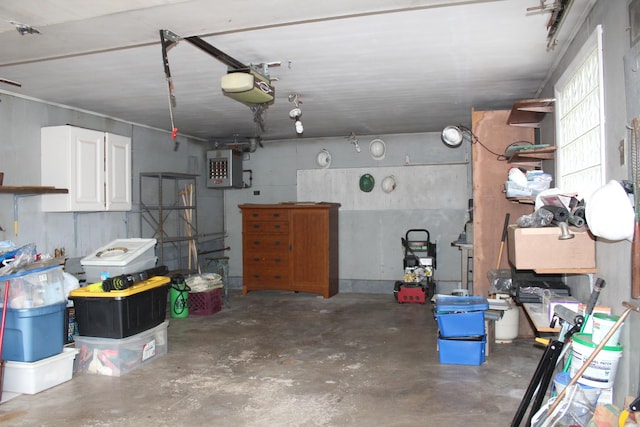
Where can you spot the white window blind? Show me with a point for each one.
(579, 97)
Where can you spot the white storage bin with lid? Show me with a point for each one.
(34, 377)
(121, 256)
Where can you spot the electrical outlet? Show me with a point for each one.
(621, 150)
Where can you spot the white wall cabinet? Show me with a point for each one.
(95, 166)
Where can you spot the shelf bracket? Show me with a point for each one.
(16, 198)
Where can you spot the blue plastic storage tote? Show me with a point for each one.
(462, 351)
(461, 316)
(32, 334)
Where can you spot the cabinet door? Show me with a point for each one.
(73, 158)
(87, 187)
(117, 172)
(310, 249)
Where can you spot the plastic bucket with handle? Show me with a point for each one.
(601, 372)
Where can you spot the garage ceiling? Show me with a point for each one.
(364, 66)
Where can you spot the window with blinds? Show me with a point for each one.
(579, 97)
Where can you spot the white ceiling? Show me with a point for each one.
(364, 66)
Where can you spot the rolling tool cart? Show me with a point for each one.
(419, 262)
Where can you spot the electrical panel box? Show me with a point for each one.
(224, 169)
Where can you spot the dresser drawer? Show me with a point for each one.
(272, 277)
(265, 243)
(261, 260)
(266, 227)
(267, 215)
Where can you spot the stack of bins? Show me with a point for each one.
(462, 338)
(34, 331)
(120, 330)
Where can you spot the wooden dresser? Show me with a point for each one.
(290, 247)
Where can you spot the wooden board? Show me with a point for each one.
(489, 202)
(31, 190)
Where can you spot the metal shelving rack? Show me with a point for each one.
(168, 213)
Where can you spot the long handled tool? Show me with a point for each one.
(591, 304)
(5, 303)
(504, 237)
(571, 323)
(585, 365)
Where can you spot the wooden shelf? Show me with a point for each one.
(7, 189)
(524, 200)
(527, 155)
(538, 319)
(530, 112)
(565, 270)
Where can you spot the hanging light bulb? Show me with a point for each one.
(296, 113)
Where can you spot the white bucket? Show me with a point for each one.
(602, 324)
(506, 329)
(601, 372)
(460, 292)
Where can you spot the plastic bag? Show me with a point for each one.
(574, 410)
(539, 218)
(25, 255)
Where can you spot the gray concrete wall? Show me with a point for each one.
(433, 191)
(153, 151)
(612, 258)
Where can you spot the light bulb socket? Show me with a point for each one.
(295, 114)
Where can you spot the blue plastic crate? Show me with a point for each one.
(461, 316)
(467, 324)
(451, 304)
(32, 334)
(462, 351)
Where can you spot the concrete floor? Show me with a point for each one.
(293, 359)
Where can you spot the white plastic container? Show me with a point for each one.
(590, 393)
(121, 256)
(34, 377)
(506, 329)
(602, 324)
(117, 357)
(34, 288)
(601, 372)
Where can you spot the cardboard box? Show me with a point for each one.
(540, 249)
(551, 301)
